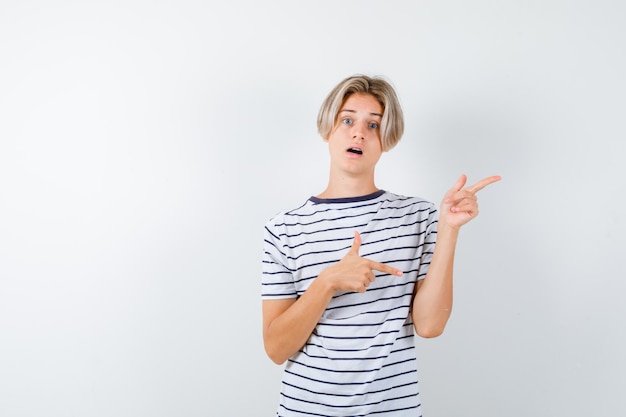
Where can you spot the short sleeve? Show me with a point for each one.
(277, 278)
(430, 239)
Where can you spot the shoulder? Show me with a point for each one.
(283, 217)
(402, 201)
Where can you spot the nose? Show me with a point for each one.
(357, 132)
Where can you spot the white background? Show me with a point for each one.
(143, 145)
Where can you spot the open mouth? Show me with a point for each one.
(355, 151)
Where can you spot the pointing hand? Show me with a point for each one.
(354, 273)
(460, 204)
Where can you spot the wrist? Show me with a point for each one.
(444, 227)
(325, 282)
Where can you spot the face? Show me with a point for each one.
(354, 142)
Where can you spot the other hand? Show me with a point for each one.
(354, 273)
(460, 204)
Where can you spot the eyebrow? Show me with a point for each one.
(354, 111)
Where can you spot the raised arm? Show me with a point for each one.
(288, 323)
(432, 303)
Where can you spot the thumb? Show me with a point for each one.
(356, 244)
(460, 183)
(458, 186)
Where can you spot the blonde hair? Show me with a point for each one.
(392, 123)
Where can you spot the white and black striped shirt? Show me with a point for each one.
(360, 359)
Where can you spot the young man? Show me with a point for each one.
(354, 272)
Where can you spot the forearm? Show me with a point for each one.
(289, 331)
(432, 303)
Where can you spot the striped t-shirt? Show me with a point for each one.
(360, 358)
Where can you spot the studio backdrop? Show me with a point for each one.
(143, 145)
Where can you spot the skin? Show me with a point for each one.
(288, 323)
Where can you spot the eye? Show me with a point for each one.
(373, 125)
(347, 121)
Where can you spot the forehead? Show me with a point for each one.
(362, 103)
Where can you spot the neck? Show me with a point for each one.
(346, 186)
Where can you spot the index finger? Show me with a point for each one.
(377, 266)
(483, 183)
